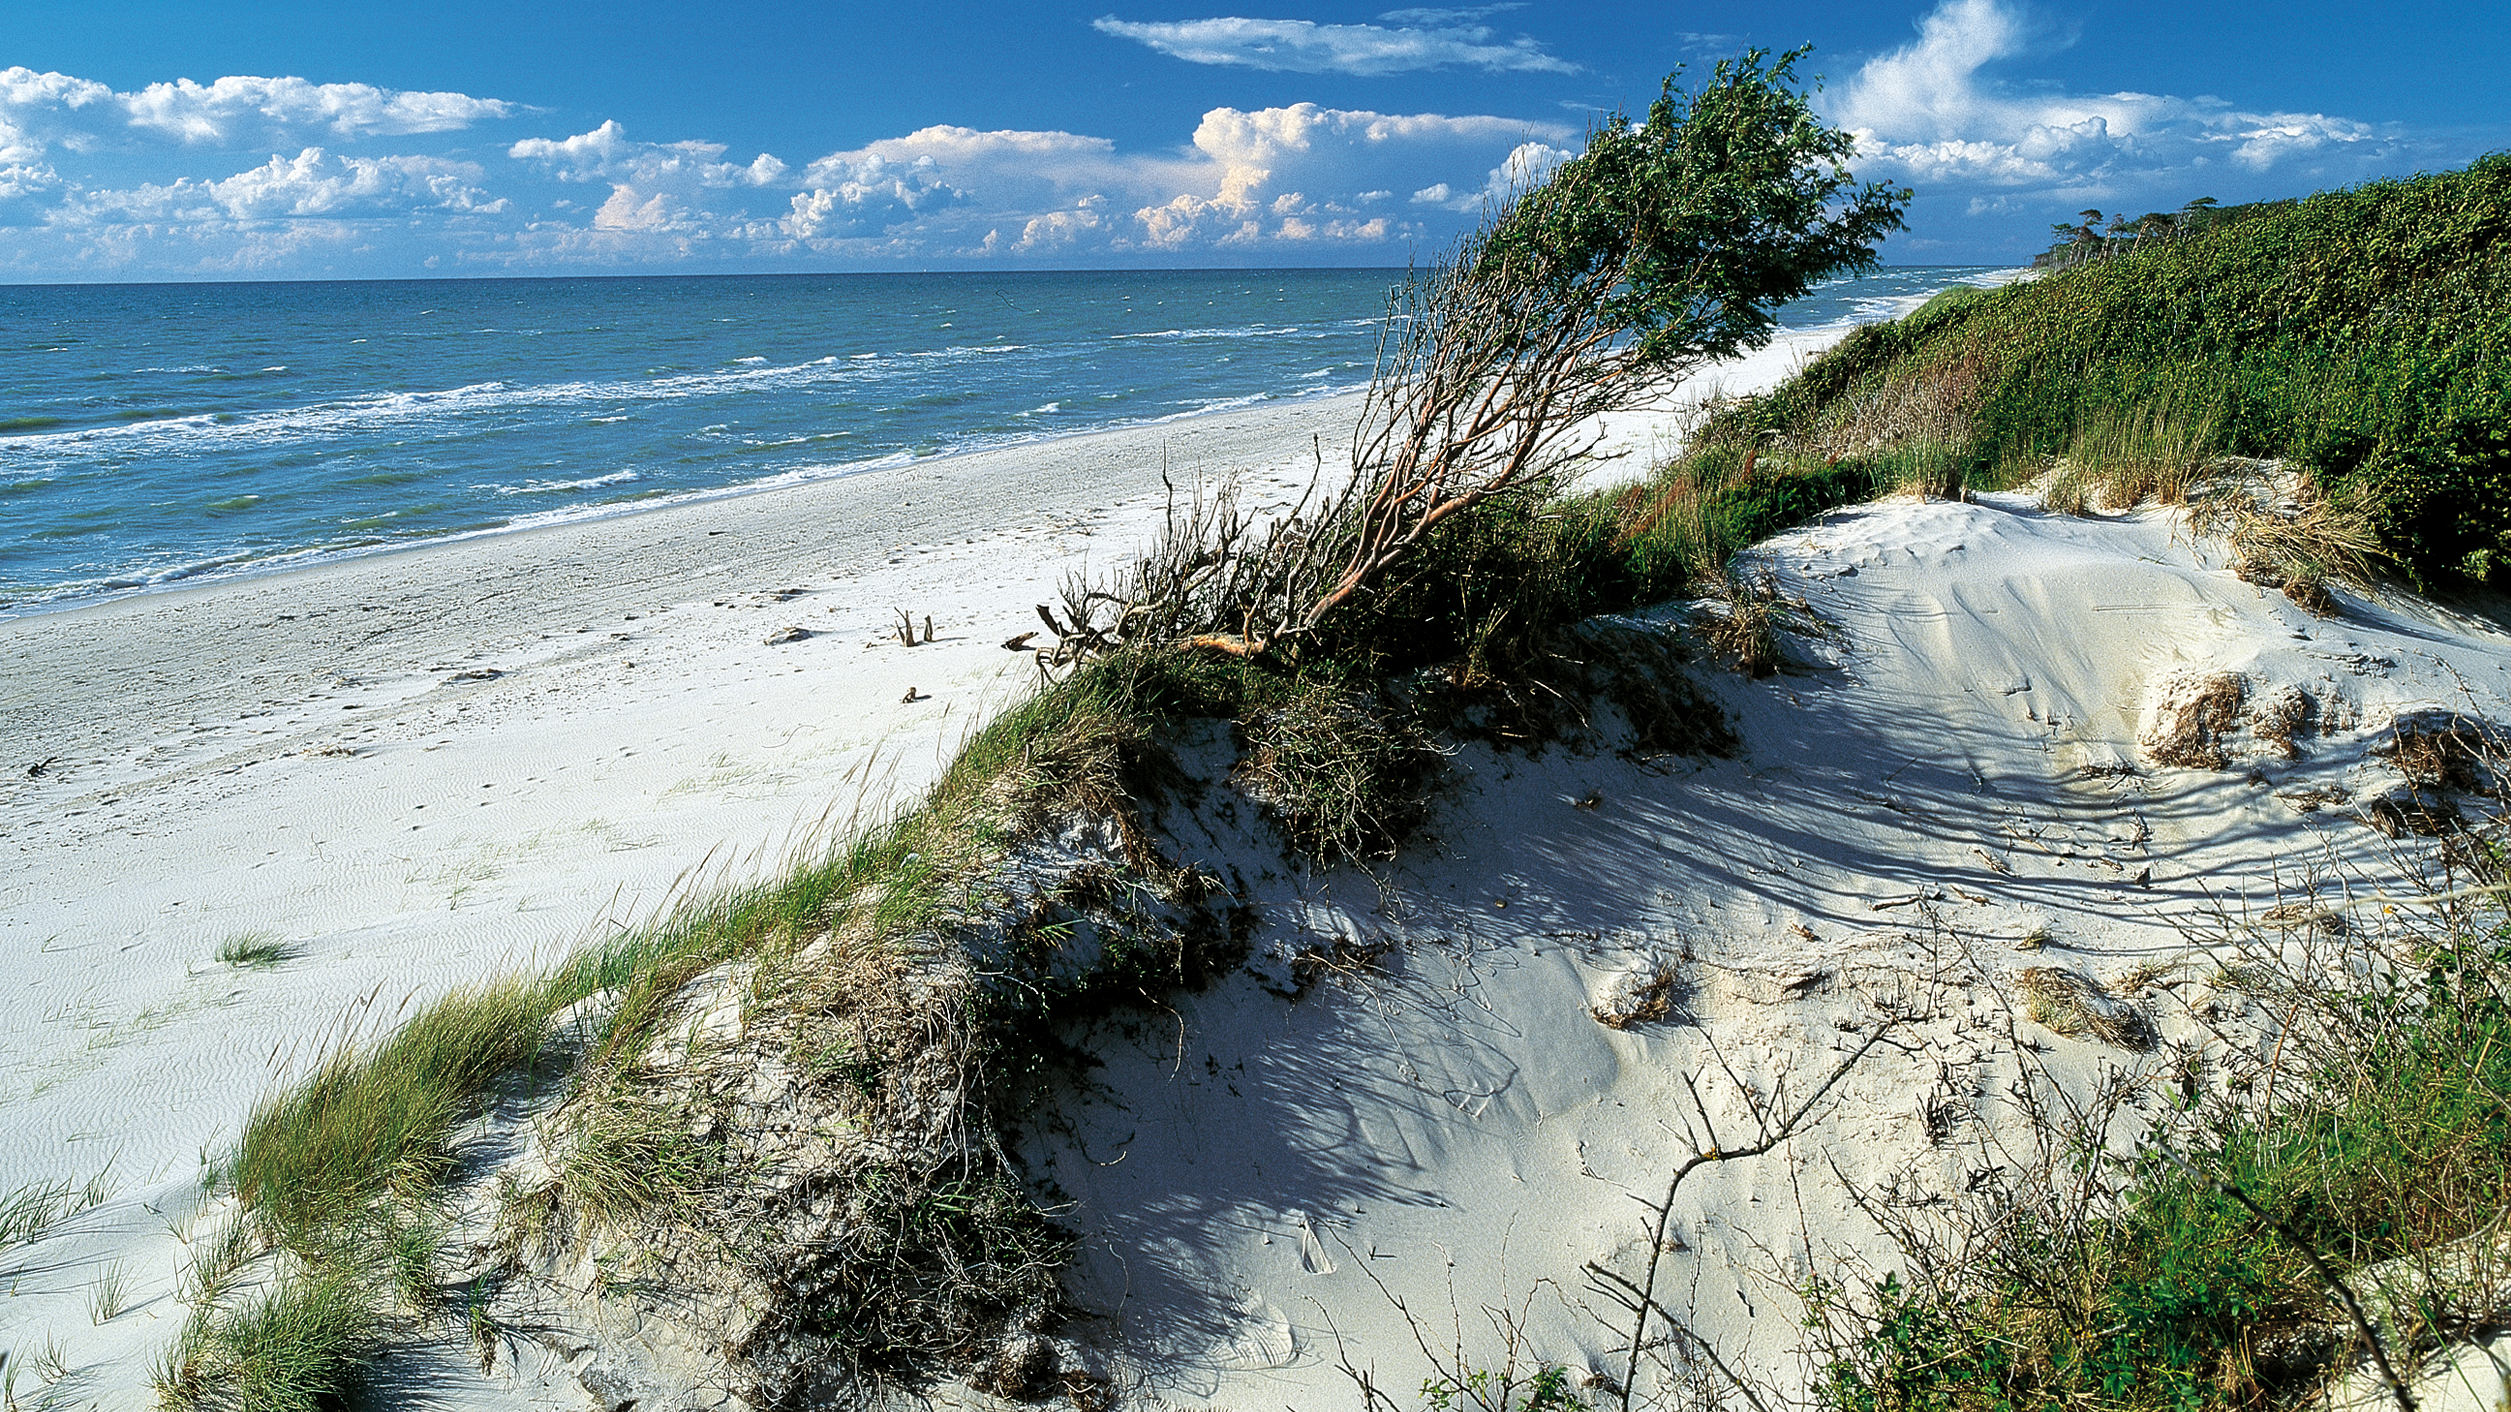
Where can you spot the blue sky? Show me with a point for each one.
(148, 140)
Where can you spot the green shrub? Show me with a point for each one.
(2361, 332)
(2389, 1136)
(314, 1158)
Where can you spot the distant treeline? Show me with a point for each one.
(2363, 334)
(2087, 239)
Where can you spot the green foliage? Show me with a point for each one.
(254, 951)
(943, 1253)
(314, 1159)
(1344, 775)
(300, 1348)
(2361, 332)
(1492, 592)
(1724, 204)
(2394, 1138)
(31, 1211)
(1480, 1390)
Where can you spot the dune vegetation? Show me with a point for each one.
(2360, 334)
(2357, 335)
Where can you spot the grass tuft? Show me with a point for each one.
(300, 1348)
(314, 1159)
(1345, 777)
(254, 951)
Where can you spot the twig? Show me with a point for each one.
(1642, 1299)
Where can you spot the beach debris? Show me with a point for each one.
(914, 696)
(2072, 1003)
(905, 631)
(2190, 717)
(1020, 643)
(475, 674)
(2308, 801)
(1346, 960)
(36, 770)
(787, 634)
(2282, 714)
(2424, 813)
(2304, 917)
(1643, 994)
(2444, 750)
(1312, 1252)
(1022, 1370)
(1588, 801)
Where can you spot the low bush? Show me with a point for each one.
(2196, 1273)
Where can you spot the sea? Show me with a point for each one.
(160, 434)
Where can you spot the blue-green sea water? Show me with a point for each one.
(155, 434)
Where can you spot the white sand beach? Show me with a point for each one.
(1437, 1137)
(411, 771)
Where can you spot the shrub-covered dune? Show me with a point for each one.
(2360, 332)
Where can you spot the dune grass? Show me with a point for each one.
(254, 951)
(301, 1347)
(2198, 1274)
(2361, 333)
(314, 1159)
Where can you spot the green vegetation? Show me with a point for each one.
(2186, 1278)
(2087, 240)
(2360, 333)
(254, 951)
(1473, 627)
(299, 1348)
(30, 1212)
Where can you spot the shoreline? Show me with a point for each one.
(416, 769)
(235, 562)
(211, 573)
(419, 769)
(248, 821)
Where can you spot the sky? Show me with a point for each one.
(168, 139)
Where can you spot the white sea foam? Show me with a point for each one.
(545, 487)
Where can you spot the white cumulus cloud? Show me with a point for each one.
(1927, 112)
(312, 183)
(95, 180)
(607, 153)
(1345, 159)
(40, 110)
(1441, 40)
(238, 106)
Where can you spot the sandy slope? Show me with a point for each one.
(1957, 769)
(420, 769)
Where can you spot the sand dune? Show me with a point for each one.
(384, 777)
(1958, 783)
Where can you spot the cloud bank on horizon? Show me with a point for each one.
(248, 176)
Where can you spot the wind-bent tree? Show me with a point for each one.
(1664, 245)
